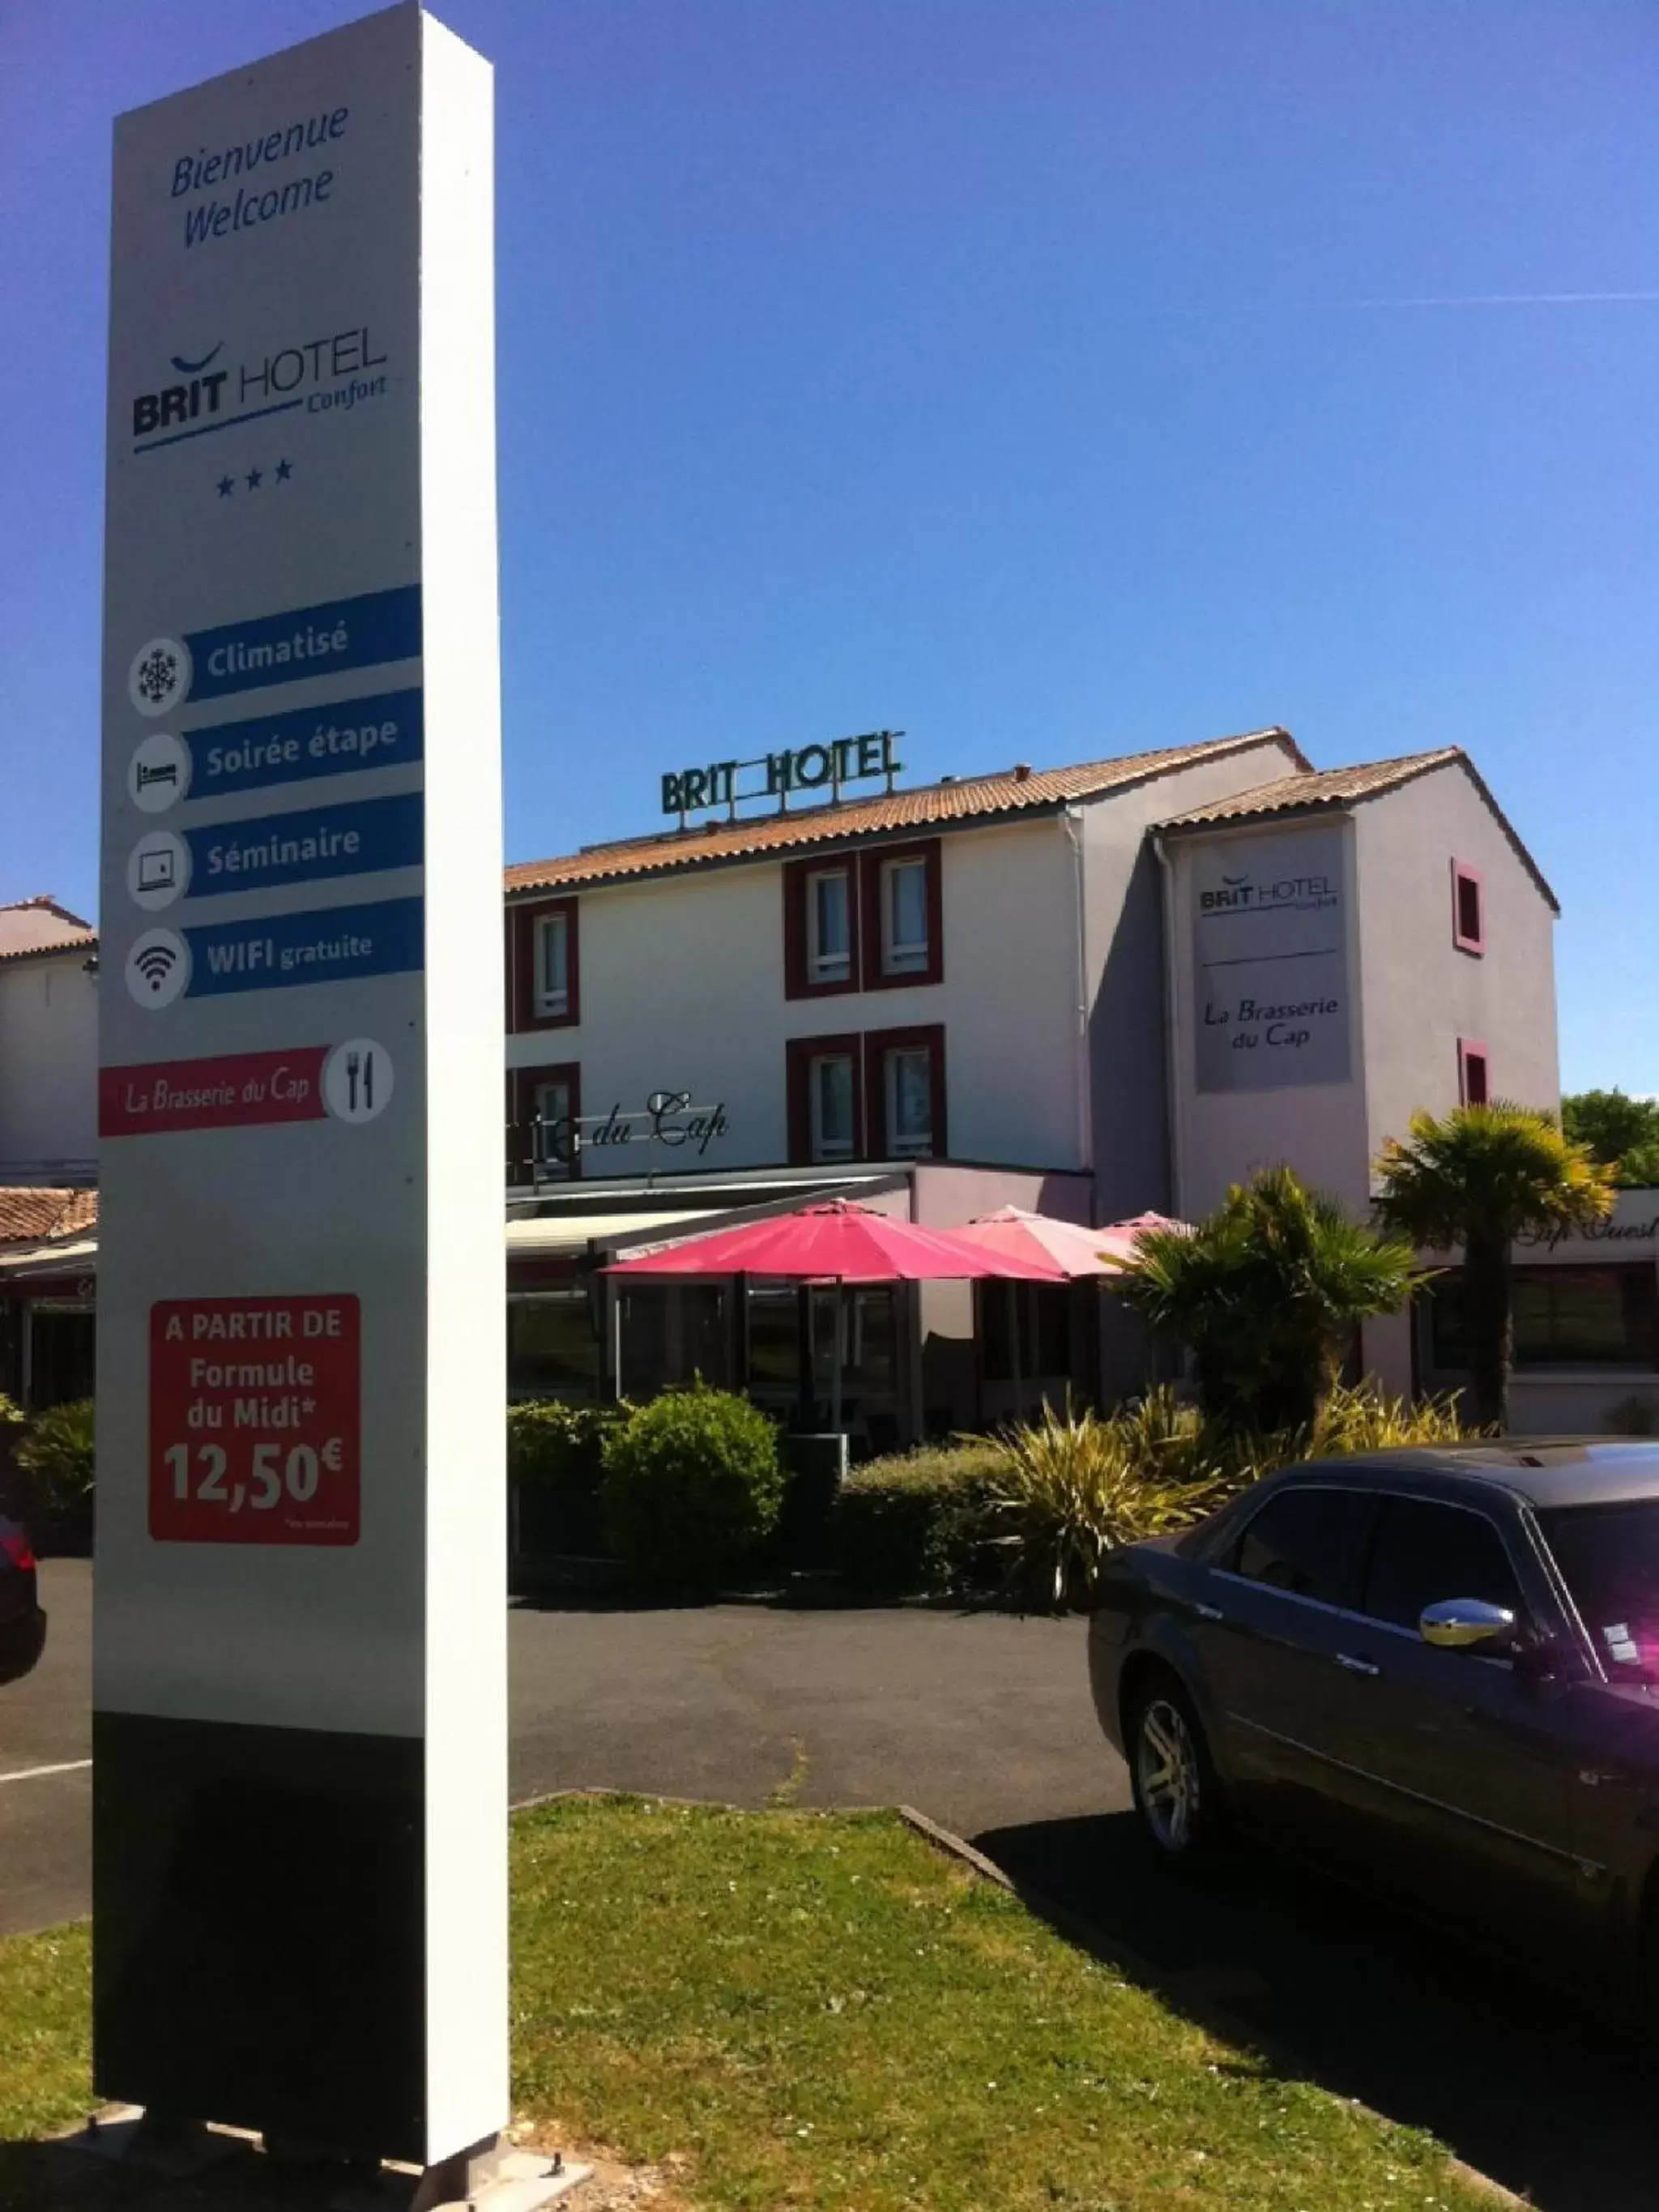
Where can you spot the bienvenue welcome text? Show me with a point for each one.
(219, 218)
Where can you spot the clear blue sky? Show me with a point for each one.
(1045, 378)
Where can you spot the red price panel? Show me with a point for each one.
(254, 1420)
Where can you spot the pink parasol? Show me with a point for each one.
(1079, 1253)
(838, 1241)
(1012, 1233)
(1118, 1239)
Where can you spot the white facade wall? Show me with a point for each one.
(1413, 993)
(1421, 994)
(682, 988)
(48, 1061)
(1014, 1038)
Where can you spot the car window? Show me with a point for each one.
(1301, 1541)
(1608, 1556)
(1422, 1553)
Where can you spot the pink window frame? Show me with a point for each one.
(1461, 872)
(1472, 1048)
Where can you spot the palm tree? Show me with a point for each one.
(1267, 1291)
(1480, 1176)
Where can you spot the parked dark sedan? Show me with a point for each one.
(22, 1623)
(1438, 1668)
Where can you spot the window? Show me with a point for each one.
(820, 927)
(552, 963)
(825, 1096)
(1472, 1082)
(1301, 1542)
(1564, 1317)
(905, 1110)
(542, 967)
(832, 1091)
(555, 1134)
(543, 1105)
(774, 1339)
(1041, 1313)
(1608, 1556)
(552, 1344)
(876, 1096)
(1422, 1553)
(672, 1333)
(1468, 909)
(867, 922)
(829, 925)
(902, 916)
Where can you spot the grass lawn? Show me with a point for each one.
(823, 2011)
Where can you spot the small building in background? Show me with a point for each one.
(48, 1149)
(48, 1045)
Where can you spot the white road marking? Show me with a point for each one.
(33, 1773)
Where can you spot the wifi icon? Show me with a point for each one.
(158, 968)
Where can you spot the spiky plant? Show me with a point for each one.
(1069, 1488)
(1480, 1176)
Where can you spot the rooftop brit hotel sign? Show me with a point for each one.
(299, 1692)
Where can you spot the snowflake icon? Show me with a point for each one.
(160, 676)
(157, 674)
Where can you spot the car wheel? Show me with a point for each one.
(1172, 1775)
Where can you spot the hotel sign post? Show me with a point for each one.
(300, 1712)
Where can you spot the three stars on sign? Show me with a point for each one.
(255, 478)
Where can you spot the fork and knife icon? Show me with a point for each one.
(360, 1064)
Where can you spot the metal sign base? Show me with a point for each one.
(490, 2178)
(494, 2176)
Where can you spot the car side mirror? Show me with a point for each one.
(1467, 1624)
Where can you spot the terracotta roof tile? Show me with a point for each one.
(971, 799)
(40, 925)
(1331, 787)
(1345, 786)
(31, 1214)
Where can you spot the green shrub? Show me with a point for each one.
(693, 1488)
(557, 1446)
(1033, 1510)
(57, 1455)
(914, 1521)
(555, 1466)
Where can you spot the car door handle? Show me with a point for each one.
(1355, 1666)
(1208, 1611)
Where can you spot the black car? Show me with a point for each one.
(1438, 1669)
(22, 1623)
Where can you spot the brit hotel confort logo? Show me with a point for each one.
(223, 193)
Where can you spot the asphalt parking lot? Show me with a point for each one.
(983, 1722)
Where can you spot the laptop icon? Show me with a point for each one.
(156, 870)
